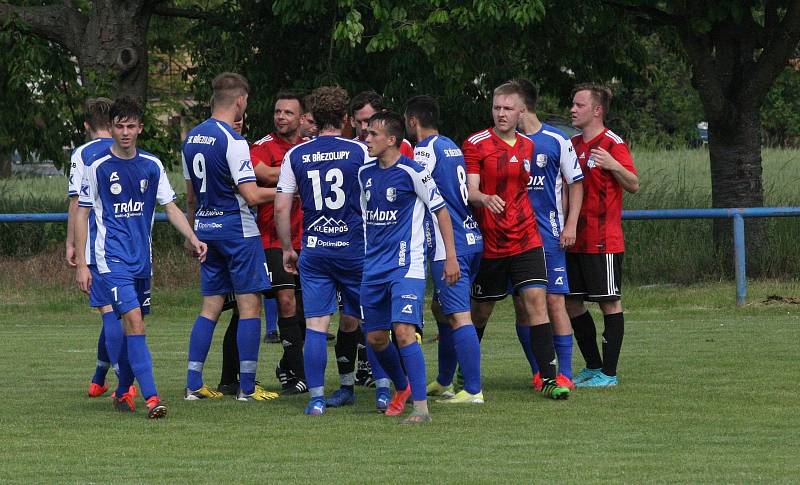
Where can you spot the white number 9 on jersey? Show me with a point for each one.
(199, 169)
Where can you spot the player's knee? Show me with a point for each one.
(348, 323)
(249, 305)
(378, 340)
(481, 311)
(611, 307)
(287, 305)
(406, 334)
(575, 306)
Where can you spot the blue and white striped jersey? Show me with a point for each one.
(324, 172)
(216, 160)
(395, 201)
(554, 161)
(445, 162)
(82, 157)
(123, 196)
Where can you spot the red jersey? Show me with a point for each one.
(505, 171)
(406, 149)
(600, 222)
(270, 150)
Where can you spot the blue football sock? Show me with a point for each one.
(315, 358)
(125, 373)
(563, 345)
(112, 328)
(468, 350)
(380, 375)
(103, 362)
(271, 315)
(142, 364)
(389, 360)
(248, 339)
(199, 343)
(524, 336)
(447, 355)
(414, 361)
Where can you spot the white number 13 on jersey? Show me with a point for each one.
(336, 178)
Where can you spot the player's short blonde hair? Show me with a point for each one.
(227, 87)
(601, 95)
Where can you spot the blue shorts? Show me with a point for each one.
(401, 301)
(98, 297)
(556, 259)
(456, 298)
(234, 265)
(123, 292)
(321, 277)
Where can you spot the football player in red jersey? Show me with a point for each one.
(498, 170)
(362, 107)
(267, 155)
(594, 262)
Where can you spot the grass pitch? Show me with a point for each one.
(707, 395)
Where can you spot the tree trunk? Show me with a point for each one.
(5, 164)
(113, 54)
(734, 145)
(109, 39)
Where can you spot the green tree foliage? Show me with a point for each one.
(41, 99)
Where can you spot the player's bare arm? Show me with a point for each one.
(452, 272)
(267, 176)
(178, 220)
(70, 242)
(627, 179)
(568, 234)
(493, 202)
(255, 195)
(283, 224)
(82, 275)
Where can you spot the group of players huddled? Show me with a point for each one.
(357, 226)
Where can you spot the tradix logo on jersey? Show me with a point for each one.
(328, 226)
(128, 209)
(378, 216)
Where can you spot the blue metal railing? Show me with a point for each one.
(738, 216)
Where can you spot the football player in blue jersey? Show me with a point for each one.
(122, 188)
(458, 341)
(98, 127)
(554, 163)
(323, 172)
(397, 193)
(219, 177)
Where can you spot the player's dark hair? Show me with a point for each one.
(366, 98)
(227, 87)
(126, 108)
(292, 95)
(508, 88)
(425, 109)
(308, 103)
(96, 113)
(600, 94)
(393, 123)
(329, 106)
(530, 93)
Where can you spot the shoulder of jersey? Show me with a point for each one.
(97, 146)
(555, 133)
(614, 137)
(148, 155)
(229, 131)
(264, 140)
(418, 167)
(480, 136)
(366, 166)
